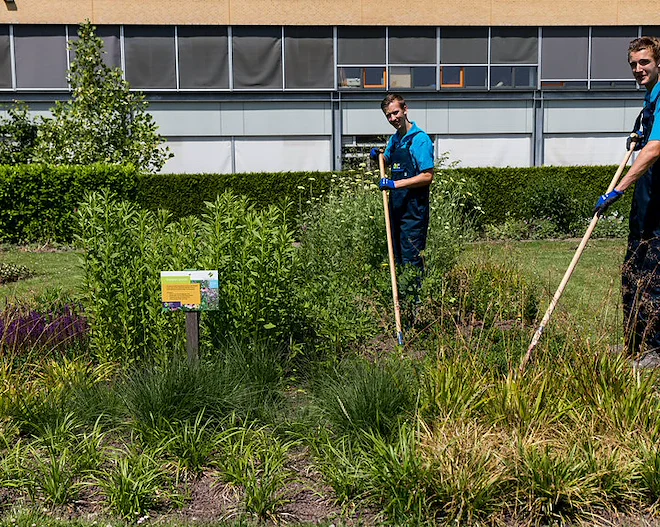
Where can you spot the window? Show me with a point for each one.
(514, 45)
(308, 57)
(5, 58)
(361, 57)
(513, 77)
(464, 45)
(150, 60)
(41, 56)
(609, 47)
(460, 49)
(360, 46)
(412, 45)
(412, 77)
(557, 44)
(257, 57)
(111, 46)
(203, 57)
(473, 77)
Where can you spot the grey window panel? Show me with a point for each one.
(40, 56)
(513, 77)
(412, 45)
(651, 31)
(150, 60)
(609, 52)
(257, 57)
(514, 45)
(565, 53)
(361, 45)
(308, 57)
(111, 46)
(5, 58)
(464, 45)
(203, 57)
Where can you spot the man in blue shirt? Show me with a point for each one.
(409, 153)
(641, 272)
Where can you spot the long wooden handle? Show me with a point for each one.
(390, 252)
(571, 267)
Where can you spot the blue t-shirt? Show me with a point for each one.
(419, 145)
(645, 212)
(654, 134)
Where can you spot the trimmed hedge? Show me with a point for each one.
(185, 194)
(37, 201)
(564, 195)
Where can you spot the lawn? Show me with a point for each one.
(592, 296)
(592, 291)
(53, 268)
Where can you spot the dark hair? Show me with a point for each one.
(650, 43)
(390, 98)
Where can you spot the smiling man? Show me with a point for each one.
(641, 271)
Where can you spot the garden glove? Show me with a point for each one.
(606, 200)
(386, 184)
(374, 153)
(635, 137)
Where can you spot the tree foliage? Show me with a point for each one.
(103, 121)
(18, 133)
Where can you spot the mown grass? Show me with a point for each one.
(52, 269)
(591, 300)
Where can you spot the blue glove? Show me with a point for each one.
(606, 200)
(375, 152)
(635, 137)
(386, 184)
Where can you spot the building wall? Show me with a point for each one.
(332, 12)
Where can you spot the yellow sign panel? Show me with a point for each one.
(184, 293)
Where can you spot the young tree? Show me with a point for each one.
(103, 121)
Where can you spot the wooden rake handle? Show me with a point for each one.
(571, 267)
(390, 252)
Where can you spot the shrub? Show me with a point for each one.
(563, 196)
(126, 248)
(186, 194)
(38, 202)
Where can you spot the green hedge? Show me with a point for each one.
(185, 194)
(37, 201)
(564, 195)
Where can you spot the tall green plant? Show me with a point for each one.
(126, 248)
(104, 121)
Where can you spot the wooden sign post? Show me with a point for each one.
(192, 292)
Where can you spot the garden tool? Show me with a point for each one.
(390, 252)
(576, 258)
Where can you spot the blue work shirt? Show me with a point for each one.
(409, 156)
(645, 213)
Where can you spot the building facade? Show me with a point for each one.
(279, 85)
